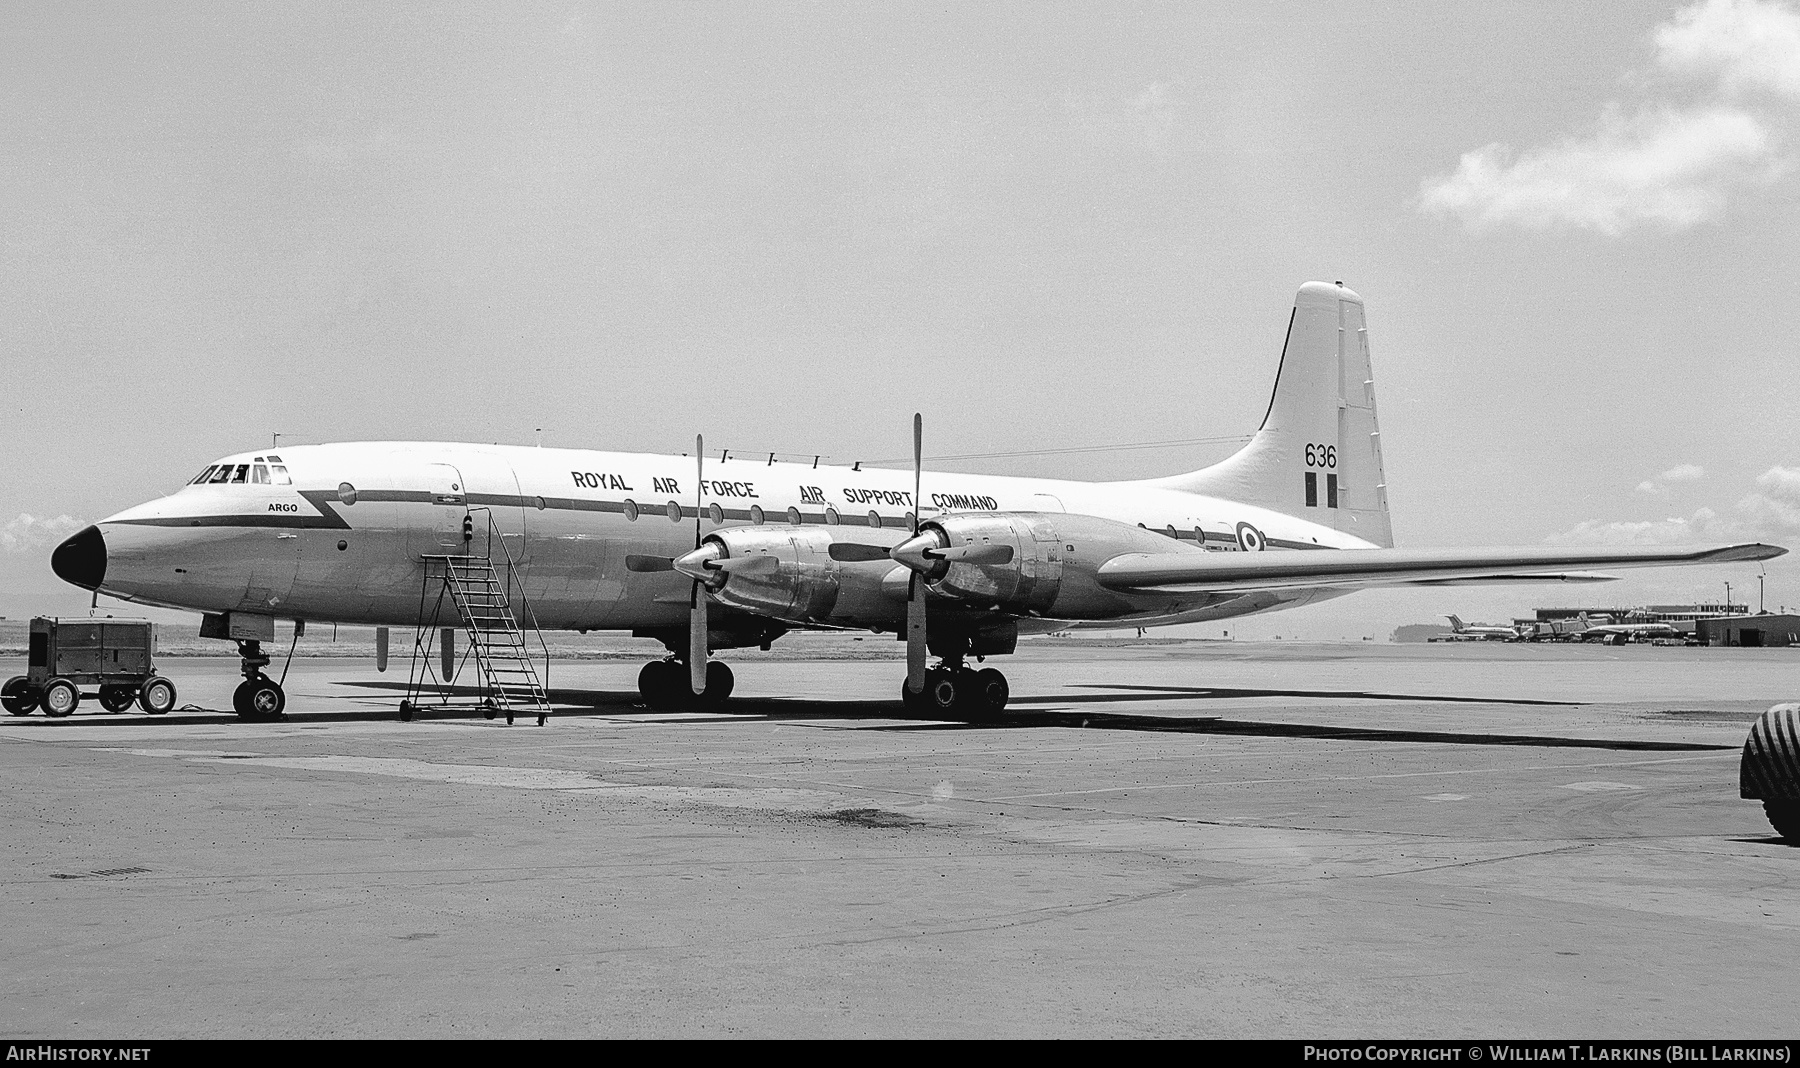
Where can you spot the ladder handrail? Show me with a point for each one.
(512, 567)
(486, 612)
(483, 576)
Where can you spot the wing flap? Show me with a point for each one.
(1350, 568)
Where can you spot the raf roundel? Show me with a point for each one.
(1250, 539)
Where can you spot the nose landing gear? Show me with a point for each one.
(258, 697)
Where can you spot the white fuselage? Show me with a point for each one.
(345, 541)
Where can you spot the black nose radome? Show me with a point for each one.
(82, 559)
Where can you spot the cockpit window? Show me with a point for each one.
(222, 473)
(281, 475)
(201, 477)
(240, 472)
(259, 475)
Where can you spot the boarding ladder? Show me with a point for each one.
(482, 600)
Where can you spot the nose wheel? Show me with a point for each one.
(258, 697)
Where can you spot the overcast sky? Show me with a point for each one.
(1043, 225)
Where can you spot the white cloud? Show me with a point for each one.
(1659, 485)
(1656, 163)
(1664, 167)
(1704, 525)
(29, 532)
(1770, 512)
(1744, 45)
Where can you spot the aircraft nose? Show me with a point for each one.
(81, 560)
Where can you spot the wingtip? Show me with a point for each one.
(1755, 550)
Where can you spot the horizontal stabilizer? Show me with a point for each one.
(1348, 568)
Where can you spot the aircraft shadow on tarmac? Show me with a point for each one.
(1019, 715)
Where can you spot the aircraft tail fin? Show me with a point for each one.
(1317, 454)
(1455, 624)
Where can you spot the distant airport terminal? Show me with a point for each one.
(1690, 624)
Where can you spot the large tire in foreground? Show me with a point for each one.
(1784, 816)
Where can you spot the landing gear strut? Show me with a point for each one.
(954, 688)
(258, 697)
(665, 687)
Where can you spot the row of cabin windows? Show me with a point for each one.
(260, 472)
(757, 515)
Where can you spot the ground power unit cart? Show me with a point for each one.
(115, 655)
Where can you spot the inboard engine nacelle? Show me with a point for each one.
(1030, 563)
(788, 573)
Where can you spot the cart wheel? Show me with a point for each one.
(18, 697)
(157, 696)
(488, 708)
(117, 698)
(60, 698)
(406, 711)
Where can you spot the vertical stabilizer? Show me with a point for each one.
(1318, 452)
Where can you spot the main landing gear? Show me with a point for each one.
(258, 697)
(666, 687)
(955, 689)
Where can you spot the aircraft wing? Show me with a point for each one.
(1350, 568)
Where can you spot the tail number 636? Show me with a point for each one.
(1321, 455)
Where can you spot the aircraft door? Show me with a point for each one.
(449, 508)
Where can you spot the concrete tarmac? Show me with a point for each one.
(1218, 840)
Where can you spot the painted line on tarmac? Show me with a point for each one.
(516, 778)
(1362, 778)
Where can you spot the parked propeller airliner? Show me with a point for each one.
(711, 554)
